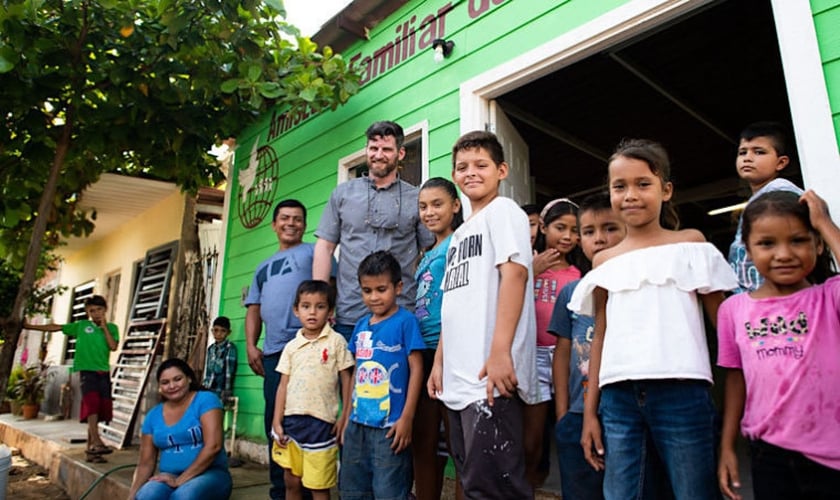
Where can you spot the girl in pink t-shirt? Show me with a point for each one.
(781, 346)
(556, 264)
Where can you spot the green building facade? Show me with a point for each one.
(561, 82)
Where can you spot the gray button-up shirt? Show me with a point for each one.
(364, 219)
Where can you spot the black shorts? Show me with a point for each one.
(98, 382)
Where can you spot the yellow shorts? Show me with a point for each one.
(317, 463)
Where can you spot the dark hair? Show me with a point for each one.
(182, 365)
(385, 129)
(286, 204)
(452, 191)
(316, 286)
(531, 209)
(379, 263)
(96, 300)
(786, 203)
(774, 131)
(222, 321)
(480, 139)
(597, 202)
(557, 209)
(652, 153)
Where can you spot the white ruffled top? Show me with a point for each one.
(655, 326)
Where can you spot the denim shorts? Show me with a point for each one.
(678, 417)
(369, 467)
(779, 473)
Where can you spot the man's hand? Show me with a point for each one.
(255, 360)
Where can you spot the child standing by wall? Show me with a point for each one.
(558, 246)
(649, 367)
(485, 362)
(95, 340)
(375, 460)
(600, 228)
(781, 345)
(306, 425)
(221, 361)
(762, 155)
(440, 212)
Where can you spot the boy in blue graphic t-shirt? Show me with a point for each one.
(375, 460)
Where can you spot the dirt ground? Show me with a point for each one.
(29, 481)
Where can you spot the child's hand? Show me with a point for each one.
(546, 260)
(500, 375)
(401, 432)
(590, 440)
(338, 429)
(279, 435)
(728, 479)
(817, 210)
(435, 383)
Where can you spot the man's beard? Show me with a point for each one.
(382, 172)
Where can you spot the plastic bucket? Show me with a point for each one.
(5, 465)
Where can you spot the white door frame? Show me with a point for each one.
(808, 97)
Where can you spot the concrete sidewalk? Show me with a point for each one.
(59, 447)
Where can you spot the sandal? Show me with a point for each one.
(95, 459)
(99, 450)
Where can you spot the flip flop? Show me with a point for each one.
(94, 458)
(99, 450)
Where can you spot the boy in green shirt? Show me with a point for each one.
(95, 339)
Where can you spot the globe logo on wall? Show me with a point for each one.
(257, 185)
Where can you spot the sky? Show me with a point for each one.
(308, 17)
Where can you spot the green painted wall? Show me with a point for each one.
(826, 22)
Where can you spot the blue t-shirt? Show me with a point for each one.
(273, 289)
(181, 443)
(429, 276)
(382, 370)
(579, 329)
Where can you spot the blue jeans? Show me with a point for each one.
(270, 383)
(578, 480)
(778, 473)
(369, 467)
(678, 417)
(212, 484)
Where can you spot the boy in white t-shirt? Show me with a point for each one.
(485, 362)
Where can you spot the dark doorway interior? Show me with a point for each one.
(692, 85)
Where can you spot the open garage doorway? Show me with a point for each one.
(691, 83)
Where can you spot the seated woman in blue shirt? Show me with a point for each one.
(185, 432)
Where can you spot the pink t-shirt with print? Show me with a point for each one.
(546, 288)
(789, 350)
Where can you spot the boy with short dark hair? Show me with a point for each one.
(95, 339)
(306, 426)
(221, 361)
(600, 228)
(762, 155)
(485, 363)
(375, 459)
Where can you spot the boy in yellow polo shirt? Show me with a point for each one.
(306, 428)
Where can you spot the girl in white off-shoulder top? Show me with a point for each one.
(649, 365)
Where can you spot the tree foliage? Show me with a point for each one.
(141, 87)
